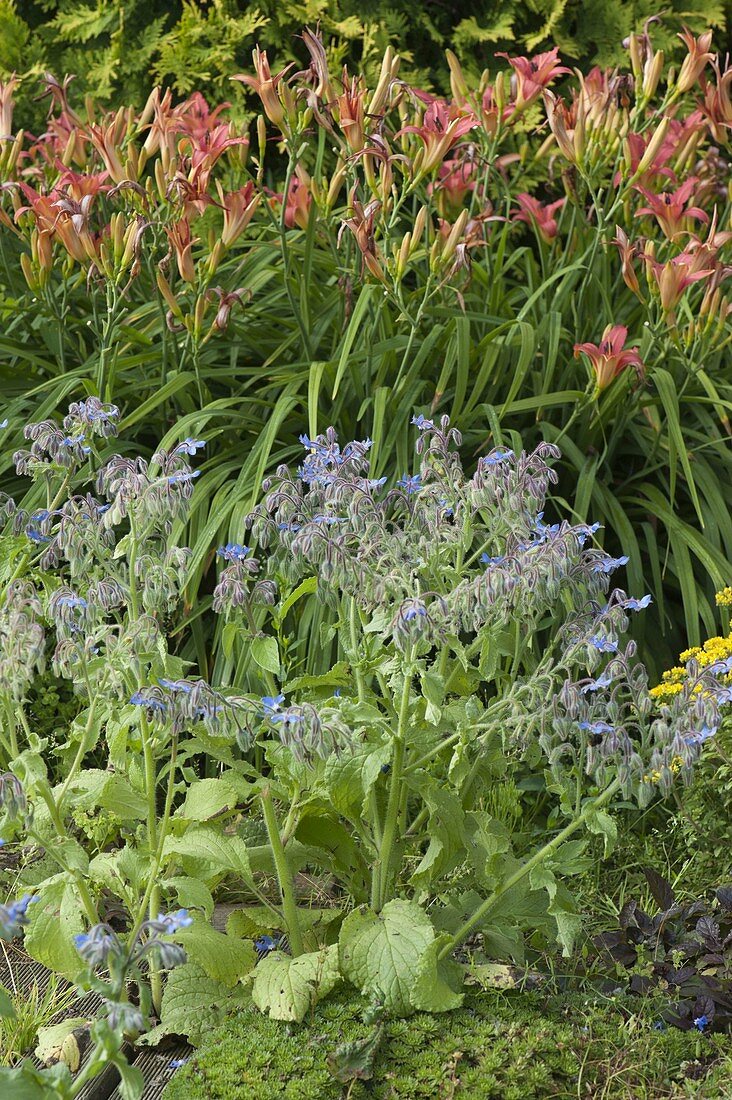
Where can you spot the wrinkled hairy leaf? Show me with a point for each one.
(394, 953)
(193, 1004)
(354, 1061)
(286, 988)
(63, 1042)
(223, 957)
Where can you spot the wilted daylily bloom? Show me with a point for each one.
(532, 75)
(361, 224)
(226, 302)
(669, 208)
(608, 359)
(538, 214)
(628, 251)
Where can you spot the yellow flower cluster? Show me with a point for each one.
(715, 649)
(654, 777)
(724, 598)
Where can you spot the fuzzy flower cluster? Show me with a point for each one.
(150, 494)
(69, 446)
(180, 704)
(439, 552)
(612, 721)
(240, 584)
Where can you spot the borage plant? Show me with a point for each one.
(90, 582)
(484, 711)
(479, 714)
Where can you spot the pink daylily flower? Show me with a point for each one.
(608, 358)
(538, 214)
(669, 208)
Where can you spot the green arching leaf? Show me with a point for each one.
(287, 988)
(212, 850)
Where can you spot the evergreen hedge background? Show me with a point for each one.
(117, 49)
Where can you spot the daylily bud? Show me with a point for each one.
(419, 223)
(68, 154)
(389, 70)
(652, 74)
(458, 85)
(167, 293)
(653, 147)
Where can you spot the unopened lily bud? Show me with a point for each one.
(419, 223)
(68, 154)
(167, 293)
(499, 92)
(217, 253)
(403, 255)
(389, 69)
(14, 153)
(262, 141)
(652, 74)
(160, 179)
(335, 186)
(654, 146)
(454, 236)
(28, 273)
(636, 61)
(116, 233)
(458, 85)
(132, 164)
(199, 313)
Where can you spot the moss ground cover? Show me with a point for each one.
(497, 1047)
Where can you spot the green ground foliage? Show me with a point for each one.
(497, 1047)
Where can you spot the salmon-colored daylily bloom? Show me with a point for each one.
(455, 179)
(238, 207)
(670, 208)
(265, 85)
(696, 59)
(673, 277)
(538, 214)
(181, 242)
(532, 75)
(608, 358)
(442, 127)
